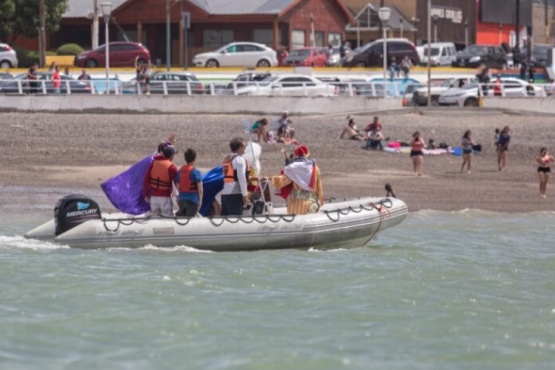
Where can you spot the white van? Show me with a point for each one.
(443, 53)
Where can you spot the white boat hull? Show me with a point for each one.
(342, 224)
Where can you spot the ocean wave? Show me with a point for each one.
(23, 243)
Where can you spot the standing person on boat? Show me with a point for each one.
(417, 143)
(189, 181)
(503, 147)
(467, 147)
(157, 185)
(303, 176)
(235, 170)
(544, 168)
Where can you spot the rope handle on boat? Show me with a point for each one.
(232, 219)
(383, 204)
(383, 210)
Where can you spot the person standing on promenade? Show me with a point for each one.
(417, 143)
(158, 183)
(544, 168)
(503, 148)
(189, 180)
(235, 169)
(467, 147)
(56, 80)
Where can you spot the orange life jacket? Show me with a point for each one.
(230, 175)
(185, 183)
(160, 175)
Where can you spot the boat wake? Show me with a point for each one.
(150, 247)
(23, 243)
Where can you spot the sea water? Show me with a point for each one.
(443, 290)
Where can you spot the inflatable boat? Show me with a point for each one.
(79, 223)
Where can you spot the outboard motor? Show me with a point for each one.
(73, 210)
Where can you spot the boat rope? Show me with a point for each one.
(383, 204)
(250, 219)
(383, 209)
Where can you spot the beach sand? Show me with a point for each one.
(46, 156)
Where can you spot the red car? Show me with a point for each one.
(122, 54)
(309, 56)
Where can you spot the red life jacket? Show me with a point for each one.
(160, 175)
(230, 175)
(185, 183)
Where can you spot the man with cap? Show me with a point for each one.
(158, 183)
(235, 169)
(306, 194)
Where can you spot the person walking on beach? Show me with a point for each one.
(158, 183)
(544, 168)
(235, 169)
(467, 147)
(417, 143)
(503, 148)
(189, 180)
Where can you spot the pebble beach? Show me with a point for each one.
(45, 154)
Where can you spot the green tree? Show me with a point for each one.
(25, 20)
(6, 15)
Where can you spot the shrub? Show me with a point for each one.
(69, 49)
(26, 57)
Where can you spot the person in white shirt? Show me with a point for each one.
(235, 170)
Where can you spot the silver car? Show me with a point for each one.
(238, 54)
(8, 57)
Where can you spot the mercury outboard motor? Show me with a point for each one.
(73, 210)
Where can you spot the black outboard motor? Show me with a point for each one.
(73, 210)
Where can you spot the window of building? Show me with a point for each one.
(334, 39)
(265, 37)
(216, 38)
(299, 38)
(318, 38)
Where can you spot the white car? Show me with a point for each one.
(420, 96)
(238, 54)
(289, 85)
(8, 57)
(468, 95)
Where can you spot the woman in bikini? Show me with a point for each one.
(417, 143)
(259, 128)
(467, 147)
(351, 131)
(544, 168)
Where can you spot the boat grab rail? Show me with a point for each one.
(231, 219)
(383, 206)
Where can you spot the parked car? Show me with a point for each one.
(238, 54)
(371, 54)
(290, 85)
(468, 95)
(442, 53)
(8, 57)
(475, 55)
(308, 56)
(420, 96)
(393, 87)
(242, 80)
(540, 54)
(12, 86)
(176, 83)
(122, 54)
(5, 76)
(334, 60)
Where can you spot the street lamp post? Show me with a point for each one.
(435, 27)
(415, 21)
(384, 14)
(465, 32)
(429, 37)
(401, 26)
(106, 11)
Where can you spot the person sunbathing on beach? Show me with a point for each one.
(283, 136)
(351, 131)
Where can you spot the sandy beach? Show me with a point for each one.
(50, 155)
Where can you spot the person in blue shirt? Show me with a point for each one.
(189, 180)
